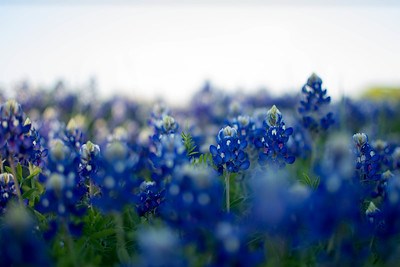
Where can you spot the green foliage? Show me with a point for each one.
(310, 182)
(203, 160)
(27, 178)
(189, 144)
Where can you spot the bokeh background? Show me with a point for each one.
(168, 49)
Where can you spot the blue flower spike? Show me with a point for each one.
(272, 140)
(229, 156)
(367, 162)
(313, 106)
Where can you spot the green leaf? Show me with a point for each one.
(19, 172)
(103, 233)
(29, 193)
(203, 160)
(32, 175)
(8, 169)
(308, 181)
(189, 144)
(39, 215)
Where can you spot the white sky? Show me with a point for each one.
(161, 50)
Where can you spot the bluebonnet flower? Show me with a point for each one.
(272, 140)
(387, 222)
(73, 135)
(312, 108)
(162, 122)
(15, 127)
(276, 205)
(160, 247)
(244, 126)
(39, 152)
(89, 157)
(381, 187)
(209, 105)
(65, 191)
(300, 145)
(367, 159)
(371, 211)
(231, 247)
(396, 158)
(337, 162)
(21, 244)
(166, 125)
(193, 201)
(229, 153)
(116, 177)
(7, 190)
(169, 153)
(149, 198)
(385, 151)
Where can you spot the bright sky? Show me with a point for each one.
(169, 50)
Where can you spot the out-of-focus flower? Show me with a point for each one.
(21, 244)
(17, 136)
(367, 159)
(7, 190)
(89, 157)
(312, 107)
(193, 202)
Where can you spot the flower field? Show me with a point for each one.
(227, 180)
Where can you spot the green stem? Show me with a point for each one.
(16, 183)
(1, 165)
(227, 188)
(122, 252)
(70, 245)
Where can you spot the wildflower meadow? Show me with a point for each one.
(228, 179)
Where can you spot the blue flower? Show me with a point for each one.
(7, 190)
(231, 246)
(272, 140)
(160, 247)
(149, 198)
(15, 139)
(300, 145)
(21, 244)
(89, 157)
(396, 158)
(115, 178)
(73, 135)
(244, 126)
(163, 123)
(170, 153)
(65, 192)
(229, 154)
(193, 201)
(312, 107)
(368, 160)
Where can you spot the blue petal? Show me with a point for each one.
(213, 150)
(290, 160)
(245, 165)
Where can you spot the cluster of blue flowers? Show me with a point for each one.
(229, 180)
(313, 106)
(229, 154)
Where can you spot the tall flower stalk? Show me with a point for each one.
(229, 156)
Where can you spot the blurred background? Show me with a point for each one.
(168, 49)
